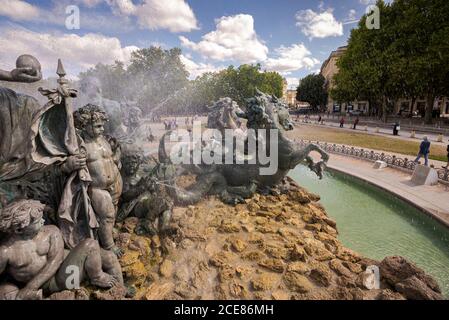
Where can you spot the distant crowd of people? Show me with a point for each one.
(172, 124)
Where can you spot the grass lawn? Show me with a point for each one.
(369, 141)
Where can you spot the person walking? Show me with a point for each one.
(424, 150)
(396, 129)
(447, 164)
(356, 122)
(342, 122)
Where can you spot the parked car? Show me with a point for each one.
(355, 112)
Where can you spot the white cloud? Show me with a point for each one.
(173, 15)
(292, 82)
(234, 39)
(366, 2)
(77, 52)
(290, 59)
(197, 69)
(318, 25)
(352, 17)
(18, 10)
(90, 3)
(352, 14)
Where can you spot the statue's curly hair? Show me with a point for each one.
(19, 214)
(88, 114)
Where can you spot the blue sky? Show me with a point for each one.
(292, 37)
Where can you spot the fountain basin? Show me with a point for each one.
(377, 224)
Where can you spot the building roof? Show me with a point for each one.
(336, 53)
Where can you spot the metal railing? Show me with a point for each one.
(370, 155)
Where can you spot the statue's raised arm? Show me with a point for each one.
(28, 69)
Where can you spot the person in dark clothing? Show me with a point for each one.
(396, 129)
(447, 164)
(342, 122)
(356, 122)
(424, 150)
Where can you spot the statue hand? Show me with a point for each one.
(75, 163)
(29, 294)
(26, 75)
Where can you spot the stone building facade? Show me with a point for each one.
(403, 107)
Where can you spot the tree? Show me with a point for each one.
(422, 42)
(407, 57)
(311, 89)
(156, 74)
(365, 69)
(157, 78)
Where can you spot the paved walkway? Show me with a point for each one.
(403, 134)
(433, 200)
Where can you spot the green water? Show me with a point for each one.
(376, 224)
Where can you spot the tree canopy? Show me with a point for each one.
(407, 57)
(311, 89)
(158, 77)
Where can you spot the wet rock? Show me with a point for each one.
(63, 295)
(416, 289)
(222, 258)
(314, 227)
(255, 256)
(184, 290)
(238, 290)
(264, 282)
(297, 282)
(159, 291)
(388, 294)
(229, 226)
(115, 293)
(166, 269)
(299, 267)
(346, 254)
(280, 295)
(396, 269)
(275, 265)
(329, 230)
(130, 257)
(330, 222)
(238, 245)
(276, 251)
(243, 271)
(339, 268)
(225, 273)
(353, 267)
(135, 273)
(298, 253)
(156, 242)
(321, 275)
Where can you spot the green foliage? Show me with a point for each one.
(157, 77)
(311, 89)
(407, 57)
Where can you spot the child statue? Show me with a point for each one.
(103, 163)
(32, 256)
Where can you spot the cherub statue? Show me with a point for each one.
(144, 197)
(103, 163)
(33, 258)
